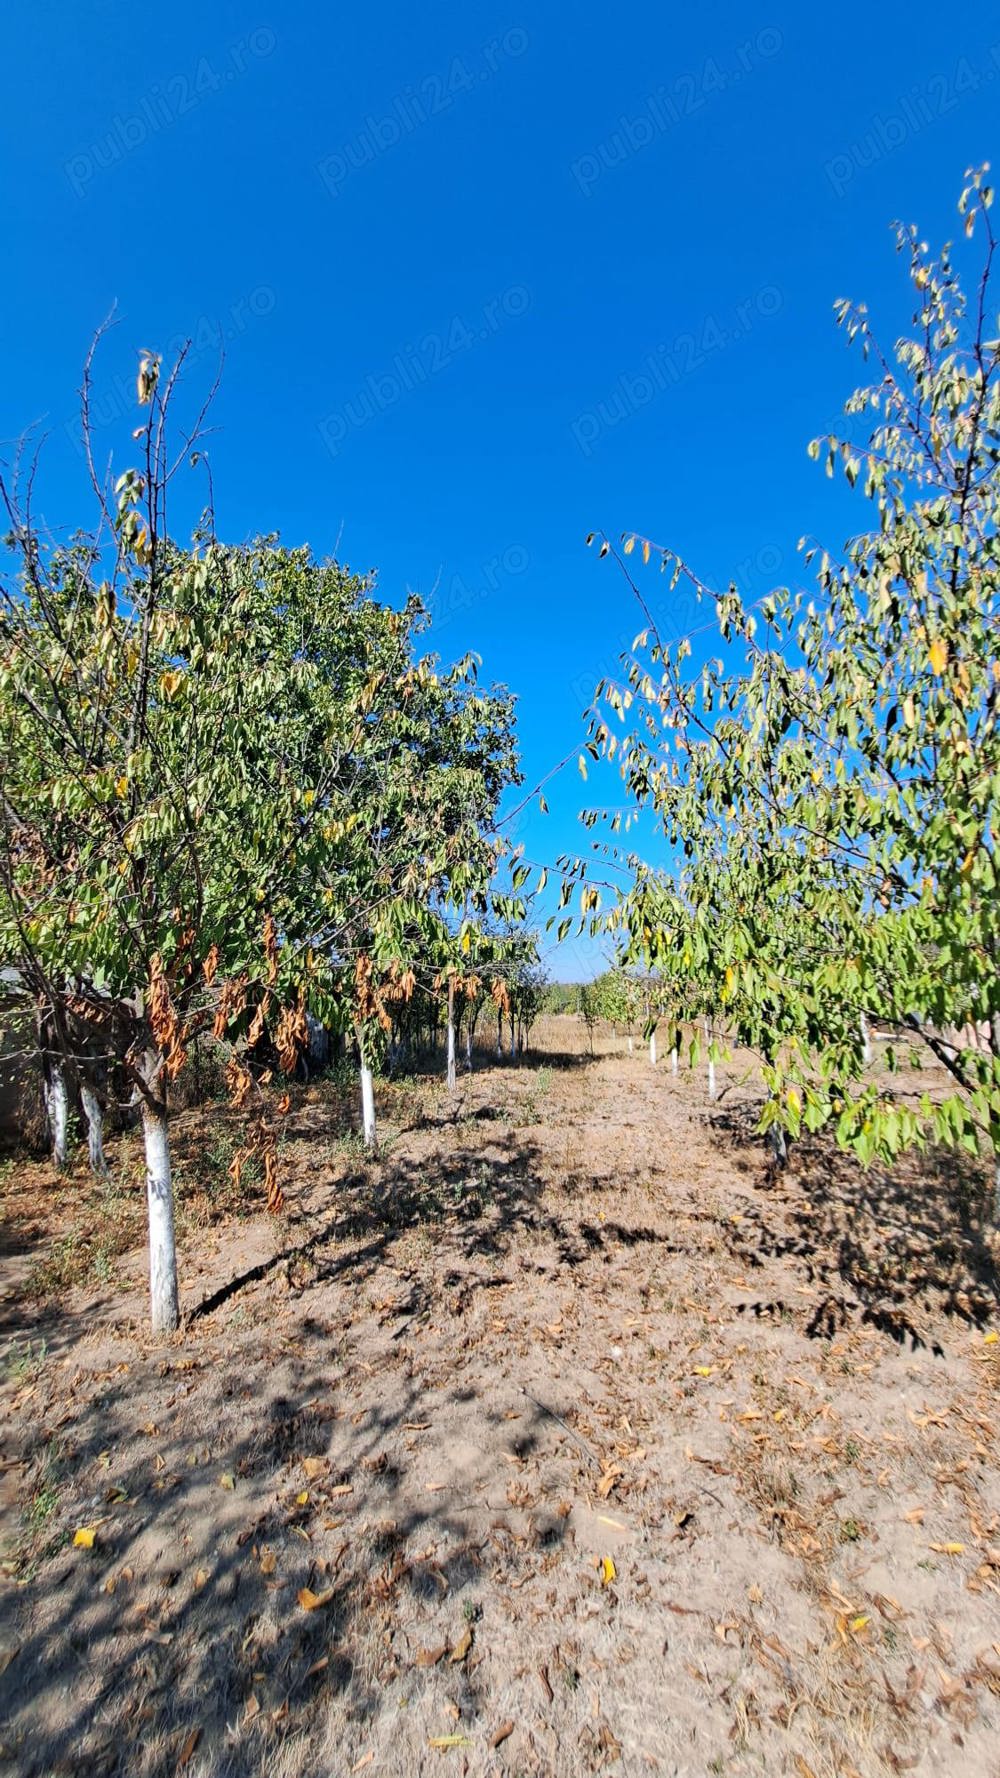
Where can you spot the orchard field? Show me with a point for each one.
(564, 1434)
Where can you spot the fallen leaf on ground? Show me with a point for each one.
(84, 1538)
(190, 1743)
(948, 1549)
(501, 1734)
(462, 1646)
(429, 1657)
(311, 1601)
(227, 1481)
(315, 1466)
(449, 1741)
(608, 1571)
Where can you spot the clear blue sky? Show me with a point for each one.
(489, 276)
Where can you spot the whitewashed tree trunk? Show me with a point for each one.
(630, 1045)
(675, 1059)
(57, 1110)
(779, 1147)
(451, 1036)
(652, 1048)
(367, 1105)
(165, 1311)
(468, 1047)
(95, 1129)
(712, 1088)
(866, 1041)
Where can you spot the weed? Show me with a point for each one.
(21, 1364)
(850, 1531)
(852, 1450)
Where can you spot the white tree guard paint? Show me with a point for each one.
(57, 1112)
(451, 1055)
(866, 1041)
(652, 1047)
(630, 1046)
(95, 1130)
(706, 1033)
(165, 1312)
(367, 1105)
(675, 1059)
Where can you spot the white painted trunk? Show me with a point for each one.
(57, 1111)
(866, 1041)
(165, 1312)
(652, 1047)
(95, 1130)
(675, 1059)
(451, 1056)
(367, 1105)
(630, 1046)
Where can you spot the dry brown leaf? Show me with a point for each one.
(190, 1743)
(315, 1466)
(429, 1657)
(462, 1646)
(500, 1735)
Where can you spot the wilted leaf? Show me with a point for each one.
(948, 1549)
(429, 1657)
(311, 1601)
(501, 1734)
(268, 1562)
(938, 655)
(449, 1741)
(85, 1537)
(608, 1571)
(462, 1646)
(227, 1481)
(315, 1466)
(190, 1743)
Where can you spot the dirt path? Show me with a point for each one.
(562, 1440)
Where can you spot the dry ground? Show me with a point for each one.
(562, 1439)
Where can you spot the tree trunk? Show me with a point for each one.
(95, 1129)
(779, 1147)
(451, 1035)
(499, 1036)
(630, 1043)
(866, 1042)
(165, 1312)
(367, 1104)
(513, 1039)
(652, 1047)
(57, 1109)
(675, 1058)
(712, 1089)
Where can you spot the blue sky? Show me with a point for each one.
(488, 277)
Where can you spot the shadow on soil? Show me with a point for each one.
(920, 1237)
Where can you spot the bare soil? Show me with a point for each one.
(565, 1437)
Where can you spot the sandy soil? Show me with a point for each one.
(565, 1438)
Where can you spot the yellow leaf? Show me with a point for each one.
(948, 1549)
(939, 655)
(449, 1741)
(170, 683)
(303, 1498)
(705, 1370)
(794, 1101)
(227, 1481)
(85, 1537)
(629, 545)
(121, 786)
(608, 1571)
(991, 1338)
(311, 1601)
(858, 1623)
(645, 552)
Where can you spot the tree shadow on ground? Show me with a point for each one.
(917, 1237)
(220, 1627)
